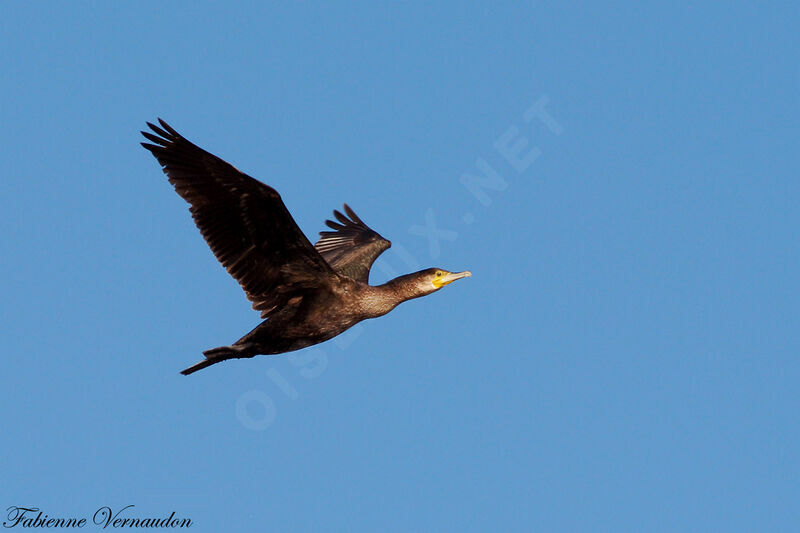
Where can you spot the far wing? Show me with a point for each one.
(352, 248)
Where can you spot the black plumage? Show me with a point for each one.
(307, 294)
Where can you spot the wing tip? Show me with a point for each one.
(152, 148)
(351, 213)
(168, 127)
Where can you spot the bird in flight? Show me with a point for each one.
(306, 294)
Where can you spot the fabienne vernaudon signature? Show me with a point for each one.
(104, 517)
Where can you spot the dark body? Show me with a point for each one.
(322, 316)
(306, 294)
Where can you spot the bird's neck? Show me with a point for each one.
(383, 298)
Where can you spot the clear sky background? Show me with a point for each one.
(624, 358)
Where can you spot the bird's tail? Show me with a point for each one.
(216, 355)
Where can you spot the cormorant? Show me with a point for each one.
(307, 294)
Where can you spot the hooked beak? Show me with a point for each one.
(450, 277)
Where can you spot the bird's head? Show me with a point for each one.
(433, 279)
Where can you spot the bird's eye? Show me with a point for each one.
(438, 274)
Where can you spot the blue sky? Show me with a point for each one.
(624, 358)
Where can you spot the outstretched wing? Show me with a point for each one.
(245, 222)
(352, 248)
